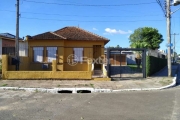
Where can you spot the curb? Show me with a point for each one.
(150, 89)
(92, 90)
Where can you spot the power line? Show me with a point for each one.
(162, 8)
(88, 21)
(90, 5)
(77, 15)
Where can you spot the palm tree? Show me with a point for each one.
(138, 44)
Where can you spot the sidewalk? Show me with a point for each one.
(158, 80)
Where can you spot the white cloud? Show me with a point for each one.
(95, 29)
(114, 31)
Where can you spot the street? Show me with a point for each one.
(142, 105)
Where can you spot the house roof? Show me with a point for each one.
(75, 33)
(47, 35)
(9, 36)
(70, 33)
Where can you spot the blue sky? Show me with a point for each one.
(113, 22)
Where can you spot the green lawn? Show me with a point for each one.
(134, 67)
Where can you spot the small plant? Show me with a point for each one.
(86, 85)
(4, 85)
(58, 85)
(36, 91)
(92, 85)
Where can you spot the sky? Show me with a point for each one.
(113, 19)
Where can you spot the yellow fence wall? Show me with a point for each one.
(53, 74)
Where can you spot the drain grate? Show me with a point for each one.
(64, 91)
(83, 91)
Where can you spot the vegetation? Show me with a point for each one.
(154, 64)
(135, 68)
(146, 37)
(114, 46)
(4, 85)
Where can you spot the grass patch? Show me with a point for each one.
(4, 85)
(165, 82)
(134, 67)
(92, 85)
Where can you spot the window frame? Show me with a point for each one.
(74, 53)
(47, 53)
(34, 54)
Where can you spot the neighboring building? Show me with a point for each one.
(7, 45)
(130, 57)
(54, 51)
(127, 57)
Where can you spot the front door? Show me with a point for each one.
(96, 55)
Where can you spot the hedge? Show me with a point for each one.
(154, 64)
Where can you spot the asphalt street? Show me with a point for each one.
(142, 105)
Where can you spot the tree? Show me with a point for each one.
(113, 46)
(146, 37)
(117, 46)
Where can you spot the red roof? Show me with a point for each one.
(70, 33)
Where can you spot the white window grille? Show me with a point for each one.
(38, 54)
(51, 53)
(78, 54)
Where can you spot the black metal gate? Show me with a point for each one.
(123, 63)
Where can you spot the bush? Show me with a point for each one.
(154, 64)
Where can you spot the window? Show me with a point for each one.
(78, 54)
(8, 50)
(51, 53)
(38, 54)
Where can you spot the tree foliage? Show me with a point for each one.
(146, 37)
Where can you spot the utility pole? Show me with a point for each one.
(168, 17)
(174, 46)
(17, 35)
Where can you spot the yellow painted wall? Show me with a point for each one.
(46, 43)
(77, 67)
(65, 48)
(54, 74)
(24, 64)
(30, 75)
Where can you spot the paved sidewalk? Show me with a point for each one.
(159, 79)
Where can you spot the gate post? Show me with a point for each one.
(144, 63)
(108, 60)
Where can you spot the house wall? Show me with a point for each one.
(131, 59)
(0, 48)
(8, 43)
(65, 48)
(88, 53)
(46, 43)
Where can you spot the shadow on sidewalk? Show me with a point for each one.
(164, 72)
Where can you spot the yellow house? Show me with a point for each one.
(67, 53)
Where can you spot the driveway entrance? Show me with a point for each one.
(126, 64)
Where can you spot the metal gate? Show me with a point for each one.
(124, 63)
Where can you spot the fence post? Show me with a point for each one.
(108, 61)
(54, 66)
(4, 65)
